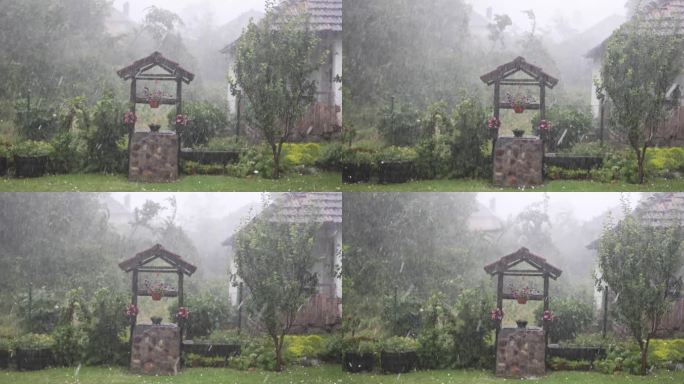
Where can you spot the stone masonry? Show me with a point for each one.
(154, 157)
(518, 162)
(521, 353)
(155, 349)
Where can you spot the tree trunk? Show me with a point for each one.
(276, 163)
(641, 157)
(279, 354)
(644, 357)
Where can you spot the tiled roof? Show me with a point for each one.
(307, 208)
(157, 252)
(326, 15)
(662, 209)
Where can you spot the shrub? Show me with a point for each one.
(256, 161)
(400, 344)
(39, 311)
(39, 124)
(223, 144)
(5, 150)
(103, 137)
(193, 168)
(433, 157)
(70, 344)
(560, 364)
(436, 346)
(571, 317)
(357, 157)
(205, 121)
(257, 353)
(401, 317)
(208, 311)
(558, 173)
(469, 140)
(34, 341)
(396, 155)
(30, 148)
(6, 344)
(68, 153)
(331, 157)
(332, 351)
(301, 154)
(401, 127)
(471, 329)
(107, 324)
(664, 162)
(197, 361)
(311, 346)
(576, 122)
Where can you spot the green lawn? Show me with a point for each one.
(326, 374)
(323, 182)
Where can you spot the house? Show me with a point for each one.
(671, 132)
(657, 210)
(324, 311)
(324, 119)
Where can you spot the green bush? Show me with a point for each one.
(256, 161)
(399, 344)
(38, 124)
(223, 144)
(396, 155)
(471, 329)
(39, 311)
(402, 127)
(577, 123)
(104, 135)
(401, 317)
(433, 158)
(301, 154)
(205, 121)
(571, 317)
(436, 346)
(586, 149)
(332, 351)
(560, 364)
(5, 150)
(311, 346)
(30, 148)
(107, 325)
(6, 344)
(226, 336)
(208, 311)
(70, 342)
(469, 140)
(664, 162)
(34, 341)
(331, 157)
(357, 157)
(193, 168)
(256, 353)
(558, 173)
(68, 155)
(198, 361)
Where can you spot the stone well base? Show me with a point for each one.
(521, 353)
(153, 157)
(156, 349)
(518, 162)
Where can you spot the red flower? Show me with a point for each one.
(182, 313)
(132, 311)
(130, 118)
(181, 120)
(493, 123)
(548, 316)
(497, 314)
(544, 125)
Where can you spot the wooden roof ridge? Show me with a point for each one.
(522, 255)
(157, 252)
(519, 64)
(156, 59)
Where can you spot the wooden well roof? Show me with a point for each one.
(157, 252)
(519, 65)
(156, 60)
(540, 264)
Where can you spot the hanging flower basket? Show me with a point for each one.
(522, 295)
(518, 102)
(156, 291)
(519, 109)
(153, 103)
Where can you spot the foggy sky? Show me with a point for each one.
(584, 206)
(222, 11)
(581, 14)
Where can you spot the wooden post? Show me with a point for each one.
(497, 98)
(499, 304)
(181, 322)
(605, 312)
(240, 299)
(132, 107)
(134, 320)
(179, 111)
(546, 308)
(542, 115)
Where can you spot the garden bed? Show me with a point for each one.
(566, 161)
(356, 173)
(576, 353)
(212, 349)
(357, 362)
(211, 157)
(29, 166)
(395, 172)
(4, 359)
(398, 362)
(3, 166)
(33, 359)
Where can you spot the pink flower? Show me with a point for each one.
(544, 125)
(493, 122)
(548, 316)
(132, 310)
(497, 314)
(181, 120)
(130, 118)
(182, 313)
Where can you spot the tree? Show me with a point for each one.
(497, 29)
(273, 62)
(642, 60)
(639, 264)
(275, 261)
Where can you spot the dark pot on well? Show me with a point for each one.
(358, 362)
(356, 173)
(34, 359)
(398, 362)
(395, 172)
(30, 166)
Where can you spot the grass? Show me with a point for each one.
(323, 182)
(326, 374)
